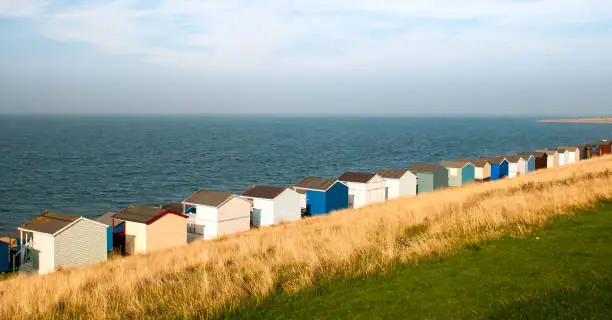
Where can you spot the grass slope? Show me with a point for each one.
(196, 280)
(562, 271)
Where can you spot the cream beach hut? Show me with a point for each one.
(149, 229)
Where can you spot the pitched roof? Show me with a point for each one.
(49, 222)
(208, 198)
(391, 173)
(566, 148)
(315, 183)
(476, 162)
(493, 160)
(548, 151)
(361, 177)
(106, 218)
(513, 158)
(526, 154)
(263, 192)
(174, 206)
(142, 214)
(452, 164)
(423, 168)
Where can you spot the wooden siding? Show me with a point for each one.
(44, 243)
(234, 217)
(167, 232)
(455, 177)
(80, 244)
(135, 237)
(425, 181)
(287, 206)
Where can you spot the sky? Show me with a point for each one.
(435, 57)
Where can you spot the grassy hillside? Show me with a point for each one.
(198, 279)
(563, 271)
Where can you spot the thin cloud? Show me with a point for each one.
(319, 35)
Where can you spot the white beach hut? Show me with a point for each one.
(54, 240)
(398, 182)
(564, 156)
(515, 165)
(273, 205)
(364, 188)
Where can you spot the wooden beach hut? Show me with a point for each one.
(149, 229)
(499, 167)
(604, 147)
(563, 156)
(572, 154)
(212, 214)
(541, 160)
(111, 228)
(586, 151)
(430, 177)
(515, 165)
(321, 195)
(483, 169)
(459, 173)
(530, 161)
(552, 157)
(273, 205)
(364, 188)
(398, 182)
(53, 240)
(5, 254)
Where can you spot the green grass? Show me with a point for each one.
(563, 271)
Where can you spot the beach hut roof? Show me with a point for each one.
(106, 218)
(208, 198)
(314, 183)
(492, 160)
(526, 154)
(359, 177)
(476, 162)
(513, 158)
(264, 192)
(548, 151)
(423, 168)
(173, 206)
(453, 164)
(391, 173)
(144, 214)
(49, 222)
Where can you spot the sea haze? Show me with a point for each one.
(87, 165)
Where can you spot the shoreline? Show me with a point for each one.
(579, 120)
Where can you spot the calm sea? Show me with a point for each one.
(87, 165)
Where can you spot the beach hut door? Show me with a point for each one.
(256, 217)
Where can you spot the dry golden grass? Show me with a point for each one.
(196, 280)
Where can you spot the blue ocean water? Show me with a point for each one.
(87, 165)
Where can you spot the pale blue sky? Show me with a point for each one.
(318, 56)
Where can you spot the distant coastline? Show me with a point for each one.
(580, 120)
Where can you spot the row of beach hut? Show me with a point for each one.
(52, 241)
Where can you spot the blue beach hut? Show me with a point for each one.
(119, 226)
(5, 253)
(321, 195)
(529, 161)
(499, 167)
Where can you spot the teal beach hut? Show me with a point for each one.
(459, 173)
(430, 177)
